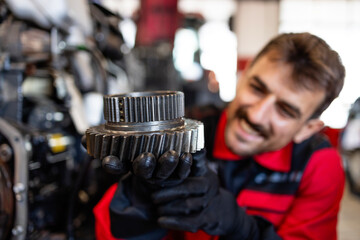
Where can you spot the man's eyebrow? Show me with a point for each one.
(261, 83)
(295, 110)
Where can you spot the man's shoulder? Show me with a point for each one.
(324, 168)
(305, 150)
(326, 157)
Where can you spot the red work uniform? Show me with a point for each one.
(297, 188)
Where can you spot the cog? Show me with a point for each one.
(144, 122)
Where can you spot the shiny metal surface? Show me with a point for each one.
(144, 122)
(139, 107)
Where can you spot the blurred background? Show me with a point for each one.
(58, 58)
(221, 36)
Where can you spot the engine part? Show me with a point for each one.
(20, 179)
(43, 168)
(144, 122)
(6, 194)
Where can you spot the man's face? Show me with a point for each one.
(268, 111)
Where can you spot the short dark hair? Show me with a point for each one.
(315, 64)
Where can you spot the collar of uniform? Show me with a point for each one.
(279, 160)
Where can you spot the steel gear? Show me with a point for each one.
(144, 122)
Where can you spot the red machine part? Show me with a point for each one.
(157, 21)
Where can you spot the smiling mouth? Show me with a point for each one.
(247, 128)
(255, 130)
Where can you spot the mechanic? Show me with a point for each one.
(267, 172)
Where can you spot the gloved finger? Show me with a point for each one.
(166, 164)
(144, 165)
(189, 224)
(199, 167)
(183, 206)
(191, 186)
(184, 166)
(114, 165)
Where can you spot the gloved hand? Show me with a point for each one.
(132, 212)
(199, 203)
(170, 169)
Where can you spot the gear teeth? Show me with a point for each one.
(105, 146)
(149, 106)
(193, 138)
(98, 145)
(169, 141)
(129, 146)
(114, 146)
(186, 142)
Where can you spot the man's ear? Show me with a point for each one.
(311, 127)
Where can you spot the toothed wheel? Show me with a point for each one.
(144, 122)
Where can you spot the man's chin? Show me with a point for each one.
(242, 150)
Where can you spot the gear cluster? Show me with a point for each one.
(144, 122)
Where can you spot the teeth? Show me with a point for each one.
(247, 128)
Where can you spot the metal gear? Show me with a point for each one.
(144, 122)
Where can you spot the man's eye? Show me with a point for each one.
(286, 112)
(256, 88)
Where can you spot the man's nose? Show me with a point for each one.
(260, 111)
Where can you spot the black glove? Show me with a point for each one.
(170, 169)
(199, 203)
(132, 212)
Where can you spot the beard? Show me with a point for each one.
(241, 114)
